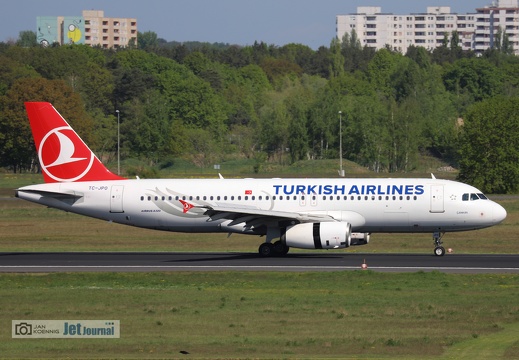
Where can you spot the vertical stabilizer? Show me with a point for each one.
(63, 156)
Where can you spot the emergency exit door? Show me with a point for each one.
(437, 199)
(116, 199)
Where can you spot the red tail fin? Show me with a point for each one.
(63, 156)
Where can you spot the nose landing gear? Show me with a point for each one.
(439, 250)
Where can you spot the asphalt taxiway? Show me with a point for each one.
(311, 261)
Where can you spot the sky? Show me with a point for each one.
(241, 22)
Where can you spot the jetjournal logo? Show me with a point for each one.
(70, 329)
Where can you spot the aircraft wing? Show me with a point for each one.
(254, 217)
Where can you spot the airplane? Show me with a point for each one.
(332, 213)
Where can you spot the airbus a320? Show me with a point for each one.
(332, 213)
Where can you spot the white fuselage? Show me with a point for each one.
(369, 205)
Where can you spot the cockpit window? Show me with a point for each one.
(472, 197)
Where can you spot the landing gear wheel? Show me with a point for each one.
(439, 251)
(266, 249)
(280, 249)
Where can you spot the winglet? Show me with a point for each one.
(63, 156)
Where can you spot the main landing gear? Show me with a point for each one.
(277, 249)
(439, 250)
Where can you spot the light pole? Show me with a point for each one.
(341, 171)
(118, 145)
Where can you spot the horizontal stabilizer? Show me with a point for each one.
(69, 197)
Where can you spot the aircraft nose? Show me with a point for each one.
(499, 213)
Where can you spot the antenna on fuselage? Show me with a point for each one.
(432, 176)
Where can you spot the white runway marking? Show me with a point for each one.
(18, 268)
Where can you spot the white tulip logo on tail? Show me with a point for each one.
(61, 159)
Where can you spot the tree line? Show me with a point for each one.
(211, 102)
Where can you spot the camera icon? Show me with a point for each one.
(23, 328)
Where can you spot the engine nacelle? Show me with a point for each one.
(360, 239)
(324, 235)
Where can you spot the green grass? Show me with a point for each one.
(269, 315)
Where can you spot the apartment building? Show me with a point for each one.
(93, 29)
(477, 31)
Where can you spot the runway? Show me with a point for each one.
(21, 262)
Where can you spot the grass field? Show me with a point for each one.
(357, 314)
(270, 315)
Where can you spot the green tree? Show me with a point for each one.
(17, 149)
(472, 80)
(380, 70)
(337, 59)
(27, 39)
(489, 146)
(147, 39)
(145, 126)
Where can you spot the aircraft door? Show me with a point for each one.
(116, 199)
(437, 200)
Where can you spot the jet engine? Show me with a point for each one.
(324, 235)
